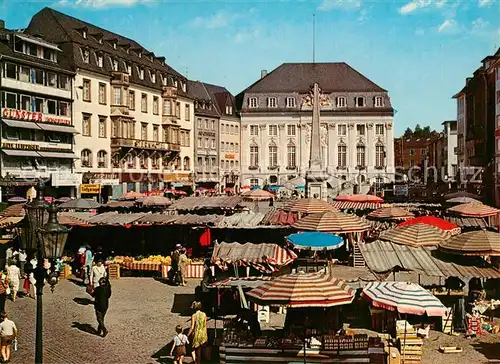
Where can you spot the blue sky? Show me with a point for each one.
(419, 50)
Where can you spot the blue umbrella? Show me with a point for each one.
(300, 187)
(256, 187)
(315, 240)
(273, 188)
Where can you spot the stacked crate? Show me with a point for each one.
(65, 272)
(114, 271)
(410, 345)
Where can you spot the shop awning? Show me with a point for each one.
(21, 153)
(58, 155)
(59, 128)
(21, 124)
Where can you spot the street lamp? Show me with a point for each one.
(48, 241)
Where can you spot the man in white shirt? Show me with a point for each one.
(22, 260)
(98, 272)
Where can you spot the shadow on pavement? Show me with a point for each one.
(77, 282)
(489, 350)
(182, 304)
(83, 301)
(85, 328)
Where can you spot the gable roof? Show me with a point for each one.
(298, 77)
(66, 31)
(218, 95)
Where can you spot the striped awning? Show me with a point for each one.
(335, 222)
(10, 220)
(358, 198)
(434, 221)
(415, 235)
(474, 210)
(132, 195)
(257, 195)
(479, 242)
(391, 213)
(310, 206)
(404, 297)
(267, 258)
(349, 205)
(303, 290)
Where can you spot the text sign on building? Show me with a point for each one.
(34, 116)
(36, 147)
(66, 179)
(229, 156)
(93, 189)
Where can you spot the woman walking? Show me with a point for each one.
(182, 266)
(14, 276)
(8, 333)
(4, 286)
(198, 331)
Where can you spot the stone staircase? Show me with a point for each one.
(357, 259)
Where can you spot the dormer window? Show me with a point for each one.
(165, 80)
(176, 84)
(99, 60)
(141, 73)
(115, 65)
(359, 101)
(378, 101)
(271, 102)
(290, 102)
(229, 110)
(184, 86)
(340, 101)
(252, 102)
(114, 45)
(153, 77)
(86, 55)
(129, 70)
(139, 54)
(84, 34)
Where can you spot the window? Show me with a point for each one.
(64, 109)
(206, 143)
(222, 128)
(99, 60)
(51, 79)
(25, 103)
(144, 131)
(379, 129)
(156, 132)
(117, 96)
(11, 70)
(341, 101)
(39, 77)
(131, 100)
(11, 100)
(144, 103)
(271, 102)
(359, 101)
(254, 130)
(291, 156)
(222, 146)
(412, 152)
(102, 159)
(141, 73)
(167, 107)
(360, 155)
(379, 156)
(273, 155)
(412, 163)
(84, 34)
(237, 147)
(291, 130)
(229, 110)
(38, 105)
(86, 90)
(212, 143)
(178, 110)
(86, 125)
(254, 182)
(273, 130)
(423, 151)
(342, 155)
(212, 125)
(129, 70)
(187, 112)
(64, 82)
(102, 93)
(48, 54)
(24, 74)
(33, 50)
(86, 158)
(206, 123)
(102, 127)
(51, 107)
(252, 102)
(155, 105)
(342, 129)
(290, 102)
(360, 129)
(153, 77)
(86, 55)
(379, 101)
(231, 147)
(254, 156)
(115, 65)
(187, 164)
(200, 143)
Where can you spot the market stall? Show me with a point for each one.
(158, 263)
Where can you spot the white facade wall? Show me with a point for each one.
(229, 147)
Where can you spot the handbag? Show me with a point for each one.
(15, 345)
(7, 291)
(90, 289)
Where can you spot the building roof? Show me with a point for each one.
(219, 97)
(67, 32)
(298, 77)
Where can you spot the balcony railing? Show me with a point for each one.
(144, 144)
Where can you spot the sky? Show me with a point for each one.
(421, 51)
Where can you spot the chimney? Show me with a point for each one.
(2, 24)
(263, 74)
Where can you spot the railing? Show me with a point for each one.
(144, 144)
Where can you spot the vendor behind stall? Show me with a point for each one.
(247, 321)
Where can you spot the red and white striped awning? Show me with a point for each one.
(303, 290)
(267, 258)
(350, 205)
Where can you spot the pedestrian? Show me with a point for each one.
(13, 276)
(99, 255)
(4, 287)
(31, 279)
(8, 333)
(182, 266)
(98, 272)
(179, 344)
(88, 263)
(101, 294)
(198, 331)
(22, 260)
(9, 253)
(175, 264)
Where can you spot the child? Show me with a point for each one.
(180, 342)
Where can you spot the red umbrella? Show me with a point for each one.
(180, 192)
(211, 190)
(434, 221)
(359, 198)
(246, 187)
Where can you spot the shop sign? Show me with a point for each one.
(400, 190)
(34, 116)
(35, 147)
(93, 189)
(102, 175)
(207, 133)
(59, 179)
(105, 182)
(229, 156)
(177, 177)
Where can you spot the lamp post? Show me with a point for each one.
(46, 240)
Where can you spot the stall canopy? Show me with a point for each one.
(481, 242)
(462, 199)
(408, 298)
(395, 213)
(415, 235)
(202, 202)
(315, 240)
(359, 198)
(335, 222)
(267, 258)
(303, 290)
(441, 224)
(310, 206)
(154, 201)
(80, 204)
(474, 210)
(350, 205)
(132, 195)
(257, 195)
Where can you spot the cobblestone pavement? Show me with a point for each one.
(141, 320)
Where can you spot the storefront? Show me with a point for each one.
(141, 182)
(90, 190)
(66, 183)
(179, 180)
(111, 187)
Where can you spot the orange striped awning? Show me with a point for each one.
(332, 221)
(257, 195)
(479, 242)
(391, 213)
(415, 235)
(474, 210)
(349, 205)
(303, 290)
(310, 206)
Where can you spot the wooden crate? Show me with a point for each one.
(65, 272)
(114, 271)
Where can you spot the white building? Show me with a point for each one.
(356, 126)
(450, 144)
(131, 109)
(37, 128)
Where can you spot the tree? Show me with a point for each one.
(418, 132)
(408, 133)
